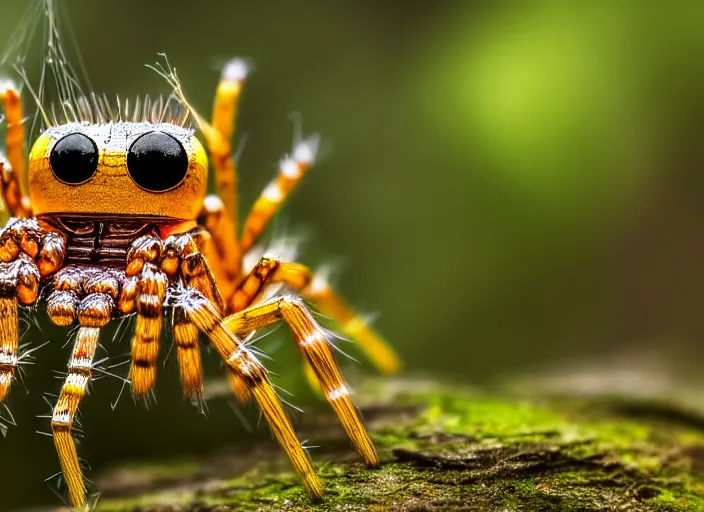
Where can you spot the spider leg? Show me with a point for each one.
(311, 340)
(149, 292)
(291, 171)
(245, 367)
(93, 312)
(19, 283)
(17, 204)
(188, 354)
(222, 249)
(183, 258)
(26, 254)
(64, 415)
(190, 263)
(218, 134)
(315, 288)
(12, 172)
(9, 343)
(220, 214)
(329, 303)
(63, 301)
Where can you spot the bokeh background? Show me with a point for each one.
(512, 186)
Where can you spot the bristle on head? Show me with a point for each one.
(98, 109)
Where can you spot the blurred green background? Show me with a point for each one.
(510, 185)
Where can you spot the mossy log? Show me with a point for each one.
(448, 449)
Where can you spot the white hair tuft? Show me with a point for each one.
(306, 150)
(235, 70)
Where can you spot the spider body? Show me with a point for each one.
(116, 222)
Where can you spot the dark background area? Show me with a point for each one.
(511, 187)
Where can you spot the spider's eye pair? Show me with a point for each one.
(155, 161)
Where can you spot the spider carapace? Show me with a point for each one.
(115, 221)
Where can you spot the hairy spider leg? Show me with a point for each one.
(13, 171)
(9, 343)
(222, 249)
(62, 303)
(245, 367)
(315, 288)
(80, 369)
(223, 217)
(94, 311)
(150, 293)
(208, 249)
(291, 171)
(10, 189)
(269, 271)
(194, 268)
(330, 304)
(183, 259)
(25, 256)
(190, 365)
(19, 283)
(219, 138)
(74, 389)
(311, 341)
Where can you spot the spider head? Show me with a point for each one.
(118, 168)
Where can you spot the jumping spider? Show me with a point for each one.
(115, 221)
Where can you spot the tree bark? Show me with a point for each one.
(446, 448)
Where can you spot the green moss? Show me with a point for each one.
(445, 449)
(682, 500)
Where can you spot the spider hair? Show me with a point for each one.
(99, 109)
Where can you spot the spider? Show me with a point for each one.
(115, 221)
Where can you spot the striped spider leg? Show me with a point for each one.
(313, 344)
(27, 253)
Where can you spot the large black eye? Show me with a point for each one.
(74, 159)
(157, 162)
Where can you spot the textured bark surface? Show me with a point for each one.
(449, 449)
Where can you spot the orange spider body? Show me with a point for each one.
(116, 221)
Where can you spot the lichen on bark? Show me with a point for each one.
(449, 449)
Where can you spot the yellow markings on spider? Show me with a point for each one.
(115, 221)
